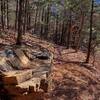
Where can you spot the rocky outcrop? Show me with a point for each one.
(26, 72)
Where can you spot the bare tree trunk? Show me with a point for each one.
(90, 39)
(20, 30)
(7, 15)
(16, 20)
(35, 25)
(2, 14)
(80, 30)
(39, 25)
(29, 20)
(69, 29)
(28, 16)
(25, 16)
(47, 22)
(42, 19)
(56, 31)
(63, 34)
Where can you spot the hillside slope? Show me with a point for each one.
(72, 78)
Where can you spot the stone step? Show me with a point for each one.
(39, 81)
(33, 86)
(15, 91)
(35, 80)
(16, 77)
(32, 82)
(32, 96)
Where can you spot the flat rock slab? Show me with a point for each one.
(32, 82)
(31, 96)
(16, 77)
(35, 84)
(21, 58)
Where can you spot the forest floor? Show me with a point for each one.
(72, 78)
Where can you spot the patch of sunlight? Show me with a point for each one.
(24, 60)
(2, 60)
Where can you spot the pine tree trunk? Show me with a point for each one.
(46, 22)
(35, 24)
(63, 34)
(42, 19)
(7, 15)
(69, 29)
(2, 14)
(28, 19)
(20, 30)
(25, 16)
(90, 38)
(16, 20)
(80, 30)
(56, 31)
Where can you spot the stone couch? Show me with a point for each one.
(26, 73)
